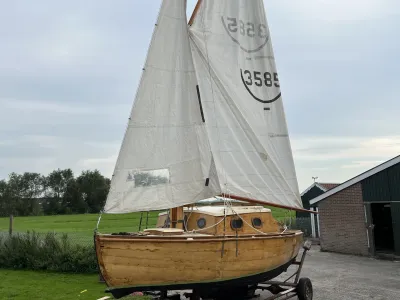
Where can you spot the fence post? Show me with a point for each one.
(10, 230)
(140, 223)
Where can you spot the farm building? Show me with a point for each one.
(362, 215)
(314, 190)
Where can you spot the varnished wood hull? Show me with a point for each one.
(130, 263)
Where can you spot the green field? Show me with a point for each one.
(22, 285)
(81, 227)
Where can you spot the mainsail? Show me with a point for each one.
(208, 117)
(242, 101)
(165, 159)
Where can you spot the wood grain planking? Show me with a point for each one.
(159, 259)
(126, 263)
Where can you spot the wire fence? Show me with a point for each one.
(303, 224)
(85, 237)
(73, 251)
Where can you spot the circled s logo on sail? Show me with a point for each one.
(238, 29)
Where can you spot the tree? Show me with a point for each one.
(56, 187)
(24, 192)
(94, 188)
(73, 197)
(58, 193)
(4, 203)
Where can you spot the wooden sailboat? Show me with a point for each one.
(207, 121)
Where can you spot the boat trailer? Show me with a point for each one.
(301, 287)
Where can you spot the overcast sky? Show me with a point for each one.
(69, 71)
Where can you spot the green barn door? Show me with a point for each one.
(396, 225)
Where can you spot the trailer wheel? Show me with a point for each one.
(251, 292)
(305, 289)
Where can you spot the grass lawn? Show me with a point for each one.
(22, 285)
(80, 227)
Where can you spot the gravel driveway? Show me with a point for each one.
(345, 277)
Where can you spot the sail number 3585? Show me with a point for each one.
(250, 29)
(268, 79)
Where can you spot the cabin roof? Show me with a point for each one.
(218, 199)
(218, 210)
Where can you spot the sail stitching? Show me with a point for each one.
(170, 70)
(212, 89)
(226, 95)
(112, 187)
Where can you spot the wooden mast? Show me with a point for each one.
(268, 203)
(196, 9)
(176, 214)
(176, 217)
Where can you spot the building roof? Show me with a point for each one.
(329, 186)
(357, 179)
(322, 186)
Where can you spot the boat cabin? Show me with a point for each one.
(239, 220)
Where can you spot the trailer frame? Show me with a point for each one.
(301, 287)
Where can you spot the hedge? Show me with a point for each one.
(34, 251)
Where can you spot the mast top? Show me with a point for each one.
(194, 14)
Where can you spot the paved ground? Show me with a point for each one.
(345, 277)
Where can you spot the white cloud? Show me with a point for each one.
(105, 165)
(338, 10)
(43, 154)
(337, 159)
(365, 164)
(43, 106)
(353, 147)
(38, 106)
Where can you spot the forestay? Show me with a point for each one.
(242, 101)
(165, 159)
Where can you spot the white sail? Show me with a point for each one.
(165, 159)
(242, 101)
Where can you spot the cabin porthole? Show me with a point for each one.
(257, 223)
(201, 223)
(236, 224)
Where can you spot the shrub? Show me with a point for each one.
(37, 252)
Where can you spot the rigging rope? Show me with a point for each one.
(228, 204)
(98, 221)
